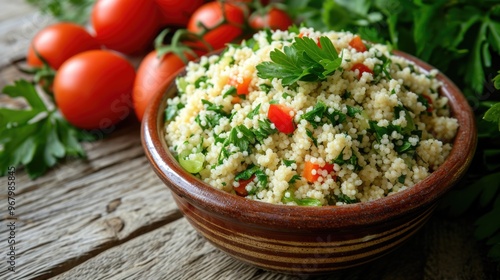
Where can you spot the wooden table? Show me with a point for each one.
(109, 217)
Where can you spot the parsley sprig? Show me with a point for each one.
(303, 60)
(37, 137)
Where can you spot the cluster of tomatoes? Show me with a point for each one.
(96, 86)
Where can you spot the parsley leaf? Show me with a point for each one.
(77, 11)
(303, 60)
(493, 114)
(264, 130)
(36, 137)
(254, 112)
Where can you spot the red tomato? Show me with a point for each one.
(241, 88)
(262, 2)
(429, 102)
(274, 19)
(58, 42)
(93, 89)
(361, 68)
(153, 76)
(357, 44)
(175, 12)
(127, 26)
(280, 116)
(241, 189)
(312, 176)
(210, 15)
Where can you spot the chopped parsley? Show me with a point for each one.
(294, 179)
(254, 112)
(345, 199)
(201, 80)
(242, 138)
(289, 196)
(253, 170)
(265, 88)
(352, 111)
(229, 92)
(311, 136)
(320, 114)
(172, 110)
(410, 123)
(353, 160)
(401, 179)
(264, 130)
(382, 70)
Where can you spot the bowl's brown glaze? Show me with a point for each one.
(308, 240)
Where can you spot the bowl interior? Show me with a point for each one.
(231, 206)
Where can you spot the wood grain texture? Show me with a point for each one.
(86, 206)
(19, 23)
(176, 251)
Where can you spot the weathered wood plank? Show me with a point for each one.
(176, 251)
(19, 23)
(83, 207)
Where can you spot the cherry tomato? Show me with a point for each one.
(210, 15)
(312, 171)
(357, 44)
(361, 68)
(153, 76)
(58, 42)
(262, 2)
(274, 19)
(127, 26)
(280, 116)
(93, 89)
(175, 12)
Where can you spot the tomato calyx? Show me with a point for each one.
(43, 75)
(176, 46)
(228, 26)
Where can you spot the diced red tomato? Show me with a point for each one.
(362, 69)
(429, 101)
(312, 176)
(357, 44)
(280, 116)
(241, 189)
(241, 88)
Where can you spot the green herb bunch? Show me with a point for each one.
(462, 39)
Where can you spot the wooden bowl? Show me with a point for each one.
(308, 240)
